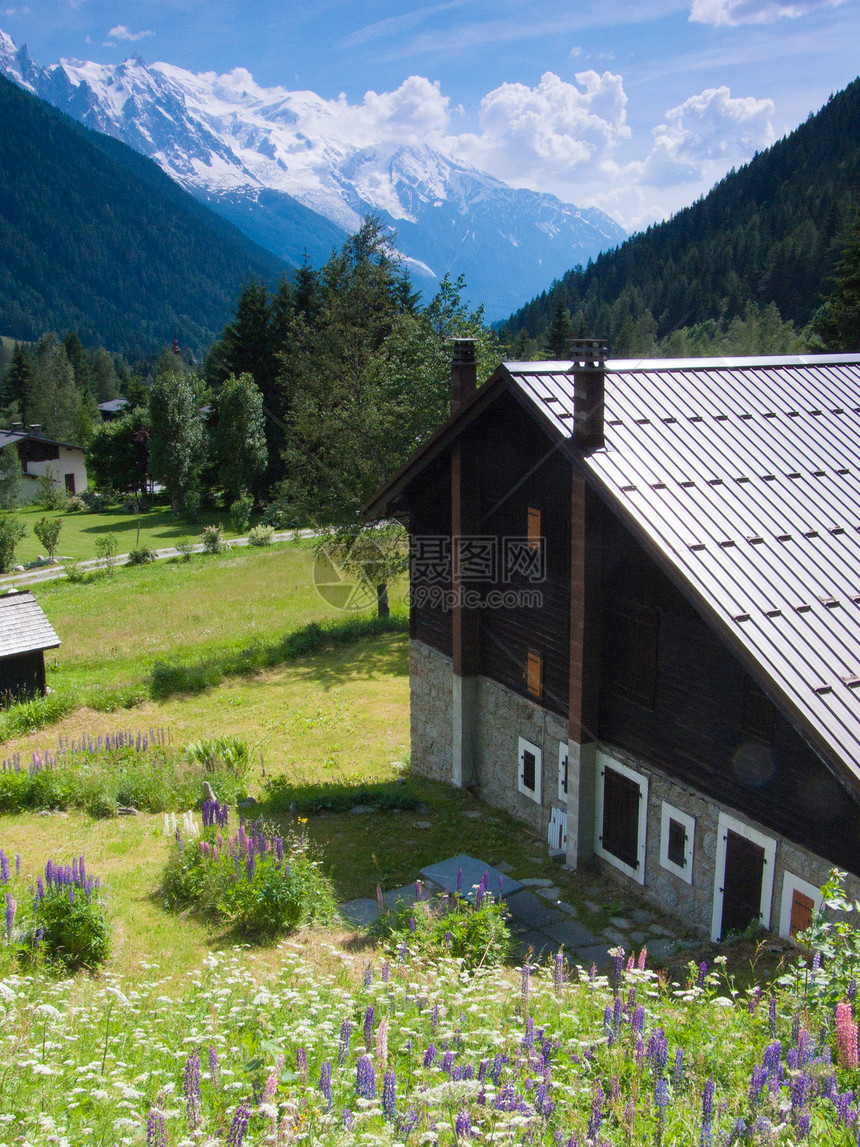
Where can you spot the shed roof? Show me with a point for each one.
(23, 626)
(742, 476)
(7, 437)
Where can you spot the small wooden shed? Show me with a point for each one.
(25, 634)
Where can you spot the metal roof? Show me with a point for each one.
(742, 476)
(7, 437)
(23, 626)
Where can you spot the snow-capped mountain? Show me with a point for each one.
(296, 173)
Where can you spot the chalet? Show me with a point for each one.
(38, 454)
(635, 618)
(25, 634)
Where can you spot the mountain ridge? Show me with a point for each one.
(274, 163)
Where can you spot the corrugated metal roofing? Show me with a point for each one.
(744, 477)
(23, 626)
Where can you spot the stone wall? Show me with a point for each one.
(431, 695)
(503, 718)
(693, 903)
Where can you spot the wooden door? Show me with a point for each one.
(742, 883)
(620, 831)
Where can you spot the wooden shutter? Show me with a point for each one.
(533, 529)
(621, 797)
(534, 671)
(802, 908)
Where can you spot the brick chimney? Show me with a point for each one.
(464, 372)
(589, 379)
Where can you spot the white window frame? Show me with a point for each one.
(604, 761)
(790, 883)
(670, 812)
(768, 844)
(563, 770)
(527, 746)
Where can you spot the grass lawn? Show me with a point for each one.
(159, 528)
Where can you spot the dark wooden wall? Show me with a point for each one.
(22, 676)
(705, 721)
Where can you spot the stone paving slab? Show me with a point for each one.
(525, 906)
(446, 873)
(571, 933)
(360, 912)
(594, 954)
(541, 945)
(407, 893)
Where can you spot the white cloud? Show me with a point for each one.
(706, 134)
(734, 12)
(536, 136)
(121, 32)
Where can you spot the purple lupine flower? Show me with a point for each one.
(448, 939)
(706, 1136)
(4, 868)
(343, 1043)
(852, 987)
(463, 1124)
(658, 1051)
(640, 1054)
(412, 925)
(401, 953)
(703, 971)
(529, 1036)
(447, 1062)
(11, 905)
(325, 1083)
(483, 1067)
(368, 1027)
(616, 1016)
(365, 1078)
(607, 1022)
(191, 1089)
(771, 1015)
(214, 1069)
(348, 1119)
(739, 1129)
(616, 975)
(302, 1064)
(596, 1116)
(239, 1126)
(661, 1097)
(389, 1095)
(499, 1062)
(637, 1022)
(250, 865)
(804, 1123)
(386, 971)
(800, 1087)
(434, 1017)
(772, 1059)
(18, 873)
(429, 1055)
(155, 1129)
(678, 1069)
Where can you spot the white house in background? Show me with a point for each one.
(40, 455)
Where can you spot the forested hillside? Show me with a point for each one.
(97, 239)
(770, 233)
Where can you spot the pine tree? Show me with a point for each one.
(560, 333)
(240, 439)
(19, 380)
(836, 325)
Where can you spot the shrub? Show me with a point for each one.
(284, 796)
(67, 923)
(229, 753)
(51, 495)
(11, 532)
(478, 933)
(240, 513)
(263, 885)
(279, 518)
(212, 538)
(76, 505)
(185, 548)
(261, 535)
(141, 556)
(75, 572)
(106, 547)
(96, 500)
(47, 530)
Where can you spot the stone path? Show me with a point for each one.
(540, 920)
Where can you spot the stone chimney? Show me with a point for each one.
(17, 427)
(464, 372)
(36, 429)
(589, 378)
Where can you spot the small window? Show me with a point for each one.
(800, 901)
(677, 837)
(534, 673)
(534, 532)
(562, 771)
(759, 715)
(529, 770)
(631, 653)
(621, 816)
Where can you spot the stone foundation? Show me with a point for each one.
(503, 717)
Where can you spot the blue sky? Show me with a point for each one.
(637, 107)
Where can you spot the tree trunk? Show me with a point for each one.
(382, 607)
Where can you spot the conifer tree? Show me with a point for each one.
(240, 439)
(836, 325)
(177, 445)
